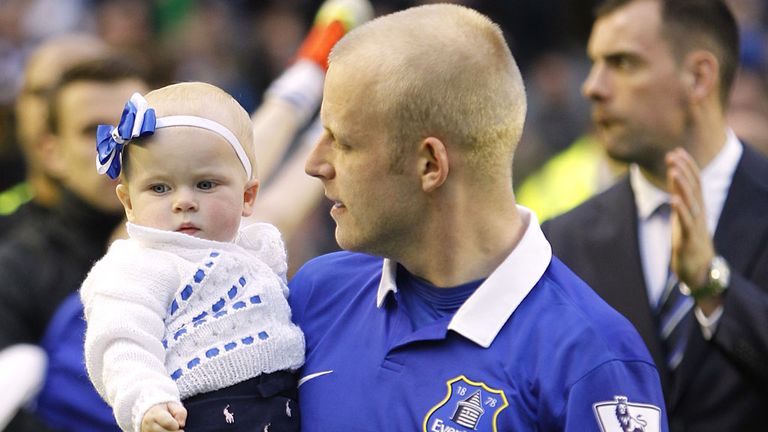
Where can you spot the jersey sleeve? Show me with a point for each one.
(617, 395)
(300, 286)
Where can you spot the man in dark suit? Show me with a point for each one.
(679, 246)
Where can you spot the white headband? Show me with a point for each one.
(204, 123)
(139, 120)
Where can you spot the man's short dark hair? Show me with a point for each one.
(696, 24)
(109, 69)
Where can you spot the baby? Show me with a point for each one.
(190, 308)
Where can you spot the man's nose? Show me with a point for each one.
(318, 162)
(595, 87)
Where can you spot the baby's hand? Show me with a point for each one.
(164, 417)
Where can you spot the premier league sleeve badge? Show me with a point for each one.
(619, 415)
(468, 406)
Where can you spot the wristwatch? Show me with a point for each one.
(718, 279)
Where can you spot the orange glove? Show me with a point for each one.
(333, 20)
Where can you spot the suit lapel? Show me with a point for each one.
(615, 244)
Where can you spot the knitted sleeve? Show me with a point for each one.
(264, 241)
(125, 296)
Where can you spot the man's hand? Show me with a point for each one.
(692, 246)
(164, 417)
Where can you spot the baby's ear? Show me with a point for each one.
(125, 199)
(249, 196)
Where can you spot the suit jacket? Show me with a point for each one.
(721, 384)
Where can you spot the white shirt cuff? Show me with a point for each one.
(708, 324)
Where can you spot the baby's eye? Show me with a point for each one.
(205, 184)
(159, 188)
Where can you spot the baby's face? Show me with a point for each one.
(188, 180)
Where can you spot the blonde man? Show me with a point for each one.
(463, 319)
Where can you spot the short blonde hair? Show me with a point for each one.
(445, 71)
(207, 101)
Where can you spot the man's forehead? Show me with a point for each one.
(635, 26)
(47, 64)
(103, 90)
(98, 100)
(357, 81)
(341, 92)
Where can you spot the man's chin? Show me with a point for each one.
(344, 242)
(617, 149)
(350, 243)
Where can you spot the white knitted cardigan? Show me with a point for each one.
(170, 316)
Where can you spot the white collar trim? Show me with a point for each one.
(486, 311)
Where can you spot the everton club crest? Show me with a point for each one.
(619, 415)
(468, 406)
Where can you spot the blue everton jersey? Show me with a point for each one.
(532, 349)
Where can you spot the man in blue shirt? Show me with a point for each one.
(450, 314)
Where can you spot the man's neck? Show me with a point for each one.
(465, 246)
(707, 141)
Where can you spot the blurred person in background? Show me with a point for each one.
(685, 234)
(43, 260)
(583, 169)
(39, 192)
(23, 25)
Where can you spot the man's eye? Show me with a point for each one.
(159, 188)
(206, 185)
(622, 63)
(341, 146)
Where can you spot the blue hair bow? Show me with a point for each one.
(137, 120)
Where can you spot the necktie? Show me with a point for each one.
(675, 321)
(673, 309)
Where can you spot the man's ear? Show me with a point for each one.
(703, 70)
(249, 196)
(433, 163)
(125, 199)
